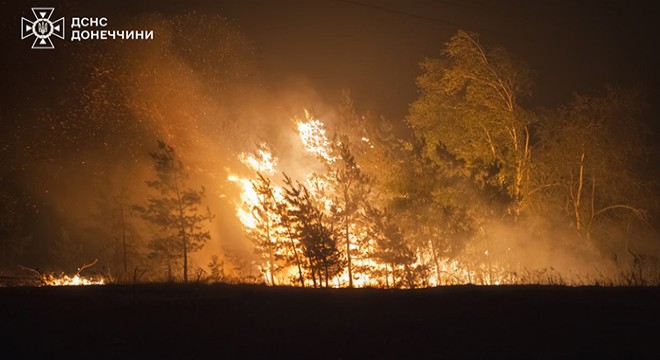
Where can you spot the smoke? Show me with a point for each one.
(204, 98)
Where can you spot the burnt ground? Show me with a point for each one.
(241, 321)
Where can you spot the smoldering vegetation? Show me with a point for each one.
(483, 189)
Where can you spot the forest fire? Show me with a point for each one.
(272, 219)
(337, 179)
(473, 181)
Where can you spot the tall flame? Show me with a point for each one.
(262, 161)
(312, 135)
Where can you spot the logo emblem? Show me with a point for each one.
(42, 28)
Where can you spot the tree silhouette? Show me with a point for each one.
(115, 224)
(174, 210)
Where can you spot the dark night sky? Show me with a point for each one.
(374, 47)
(371, 47)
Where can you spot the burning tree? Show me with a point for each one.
(316, 236)
(351, 189)
(267, 228)
(287, 217)
(175, 211)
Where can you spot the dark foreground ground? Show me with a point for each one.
(227, 322)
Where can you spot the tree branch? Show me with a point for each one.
(640, 213)
(80, 269)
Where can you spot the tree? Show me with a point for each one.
(266, 230)
(351, 187)
(217, 269)
(391, 246)
(287, 221)
(116, 227)
(588, 161)
(470, 106)
(316, 236)
(175, 210)
(434, 202)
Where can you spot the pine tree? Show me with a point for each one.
(115, 224)
(266, 230)
(175, 210)
(391, 247)
(217, 269)
(316, 236)
(351, 190)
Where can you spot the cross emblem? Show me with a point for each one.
(42, 28)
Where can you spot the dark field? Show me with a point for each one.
(214, 322)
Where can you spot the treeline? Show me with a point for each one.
(487, 190)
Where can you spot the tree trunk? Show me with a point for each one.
(348, 248)
(490, 264)
(295, 254)
(185, 258)
(436, 262)
(521, 166)
(123, 235)
(271, 267)
(271, 261)
(326, 276)
(182, 226)
(578, 197)
(387, 277)
(593, 206)
(313, 274)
